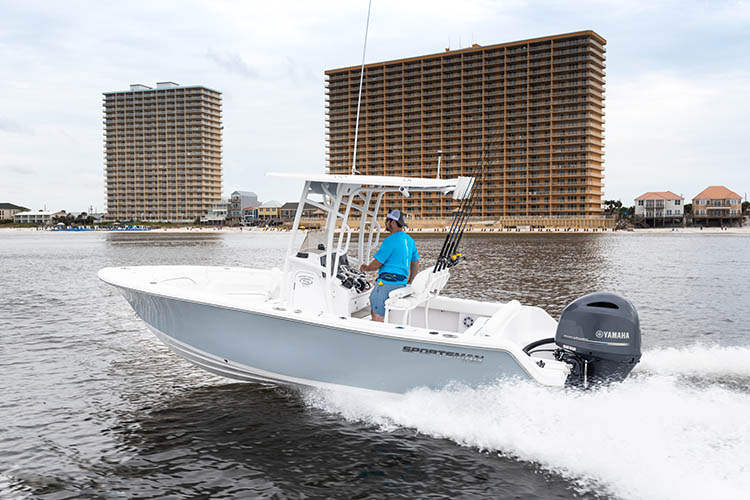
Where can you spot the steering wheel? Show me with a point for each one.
(353, 272)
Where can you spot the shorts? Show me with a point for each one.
(379, 295)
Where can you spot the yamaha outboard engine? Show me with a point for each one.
(599, 335)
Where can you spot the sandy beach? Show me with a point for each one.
(486, 231)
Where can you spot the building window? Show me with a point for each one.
(677, 212)
(677, 202)
(640, 203)
(669, 212)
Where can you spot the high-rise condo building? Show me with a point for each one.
(535, 108)
(163, 152)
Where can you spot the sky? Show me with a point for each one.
(678, 75)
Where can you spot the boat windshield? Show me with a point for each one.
(315, 240)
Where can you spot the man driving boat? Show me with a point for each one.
(397, 262)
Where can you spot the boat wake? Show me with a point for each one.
(674, 430)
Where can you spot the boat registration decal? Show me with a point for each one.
(475, 358)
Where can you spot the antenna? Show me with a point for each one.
(359, 99)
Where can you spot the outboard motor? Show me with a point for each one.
(599, 335)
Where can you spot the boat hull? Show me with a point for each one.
(253, 345)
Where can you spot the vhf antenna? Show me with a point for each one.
(359, 99)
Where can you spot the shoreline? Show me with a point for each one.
(413, 232)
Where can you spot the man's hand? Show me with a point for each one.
(372, 266)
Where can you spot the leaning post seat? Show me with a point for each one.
(425, 286)
(496, 323)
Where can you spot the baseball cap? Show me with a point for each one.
(396, 215)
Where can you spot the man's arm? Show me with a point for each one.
(372, 266)
(413, 269)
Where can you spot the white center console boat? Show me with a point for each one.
(309, 323)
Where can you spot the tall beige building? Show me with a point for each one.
(534, 107)
(163, 152)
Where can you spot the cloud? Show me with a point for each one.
(676, 131)
(8, 125)
(675, 114)
(233, 63)
(23, 170)
(729, 13)
(13, 168)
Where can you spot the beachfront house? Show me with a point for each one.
(660, 208)
(217, 216)
(8, 210)
(40, 217)
(289, 210)
(717, 206)
(249, 214)
(269, 210)
(238, 201)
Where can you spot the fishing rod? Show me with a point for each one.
(449, 256)
(455, 224)
(478, 180)
(453, 247)
(449, 244)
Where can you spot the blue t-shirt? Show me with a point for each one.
(396, 254)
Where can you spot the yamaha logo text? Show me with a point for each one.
(604, 334)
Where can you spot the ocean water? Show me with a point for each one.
(93, 406)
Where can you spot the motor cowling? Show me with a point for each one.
(599, 335)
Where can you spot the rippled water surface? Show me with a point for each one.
(94, 406)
